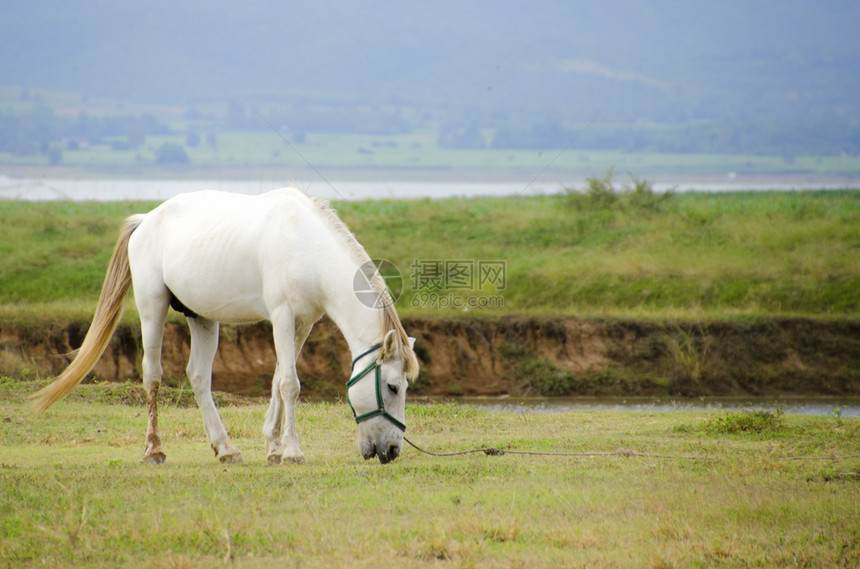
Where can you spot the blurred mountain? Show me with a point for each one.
(480, 63)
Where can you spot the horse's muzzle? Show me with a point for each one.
(386, 455)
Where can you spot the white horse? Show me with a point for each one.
(280, 256)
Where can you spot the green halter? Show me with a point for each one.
(380, 405)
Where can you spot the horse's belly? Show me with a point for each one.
(227, 291)
(237, 311)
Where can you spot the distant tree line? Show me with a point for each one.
(40, 131)
(30, 132)
(811, 136)
(310, 118)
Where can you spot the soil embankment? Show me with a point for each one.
(515, 356)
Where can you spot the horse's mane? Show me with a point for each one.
(390, 319)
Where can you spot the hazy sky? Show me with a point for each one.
(535, 56)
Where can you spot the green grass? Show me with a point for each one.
(690, 255)
(746, 421)
(73, 493)
(54, 255)
(687, 256)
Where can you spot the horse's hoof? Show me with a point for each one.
(274, 459)
(231, 458)
(154, 458)
(293, 459)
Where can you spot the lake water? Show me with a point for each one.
(843, 406)
(46, 189)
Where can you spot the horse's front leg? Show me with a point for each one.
(273, 425)
(204, 344)
(279, 427)
(282, 440)
(289, 388)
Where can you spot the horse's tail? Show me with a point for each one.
(105, 320)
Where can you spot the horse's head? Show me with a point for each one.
(377, 395)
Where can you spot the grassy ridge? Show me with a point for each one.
(73, 493)
(759, 253)
(688, 255)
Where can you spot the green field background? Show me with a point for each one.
(591, 252)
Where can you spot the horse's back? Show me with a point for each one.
(213, 206)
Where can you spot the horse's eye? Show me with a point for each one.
(393, 388)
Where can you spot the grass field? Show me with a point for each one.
(765, 489)
(590, 252)
(716, 489)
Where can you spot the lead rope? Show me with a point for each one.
(493, 451)
(490, 451)
(627, 453)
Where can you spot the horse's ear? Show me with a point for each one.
(411, 343)
(389, 346)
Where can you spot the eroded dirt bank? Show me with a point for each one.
(516, 356)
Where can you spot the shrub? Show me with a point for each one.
(169, 153)
(746, 422)
(546, 378)
(601, 194)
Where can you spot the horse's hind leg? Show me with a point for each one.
(153, 313)
(204, 344)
